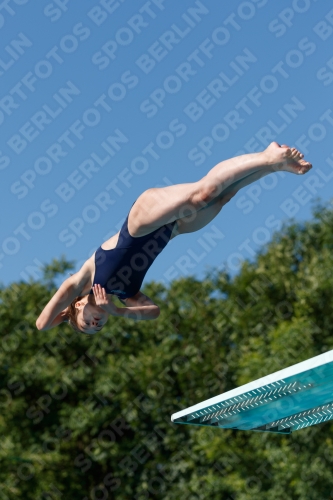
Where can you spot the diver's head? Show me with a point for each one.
(85, 316)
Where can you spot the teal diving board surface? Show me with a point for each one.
(283, 402)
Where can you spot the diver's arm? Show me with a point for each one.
(139, 307)
(54, 312)
(138, 312)
(60, 318)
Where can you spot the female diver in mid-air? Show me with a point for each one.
(118, 267)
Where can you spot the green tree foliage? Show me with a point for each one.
(88, 417)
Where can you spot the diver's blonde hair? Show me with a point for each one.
(72, 313)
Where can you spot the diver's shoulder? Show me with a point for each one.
(85, 275)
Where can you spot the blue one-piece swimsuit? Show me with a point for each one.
(121, 270)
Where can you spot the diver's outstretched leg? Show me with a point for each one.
(158, 206)
(204, 216)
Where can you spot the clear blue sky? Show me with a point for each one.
(102, 100)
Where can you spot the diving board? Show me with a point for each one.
(285, 401)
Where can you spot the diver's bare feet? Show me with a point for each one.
(286, 158)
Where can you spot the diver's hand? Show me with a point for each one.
(103, 300)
